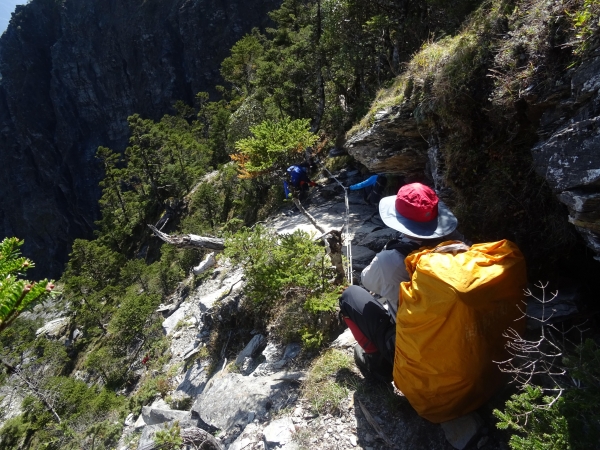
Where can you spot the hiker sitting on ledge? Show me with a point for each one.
(448, 309)
(424, 221)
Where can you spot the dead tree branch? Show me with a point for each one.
(332, 240)
(540, 361)
(374, 424)
(190, 240)
(306, 214)
(200, 439)
(32, 388)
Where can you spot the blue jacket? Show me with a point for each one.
(368, 182)
(297, 175)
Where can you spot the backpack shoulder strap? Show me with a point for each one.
(404, 247)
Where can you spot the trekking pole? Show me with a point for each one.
(345, 236)
(348, 239)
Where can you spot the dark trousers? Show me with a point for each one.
(372, 194)
(375, 325)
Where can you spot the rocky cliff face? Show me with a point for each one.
(565, 120)
(392, 144)
(72, 71)
(567, 154)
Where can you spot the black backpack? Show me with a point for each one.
(403, 247)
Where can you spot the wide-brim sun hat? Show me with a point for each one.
(417, 212)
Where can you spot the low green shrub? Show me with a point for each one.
(288, 282)
(183, 403)
(169, 438)
(131, 319)
(326, 302)
(13, 433)
(19, 337)
(311, 338)
(276, 263)
(108, 364)
(566, 421)
(148, 390)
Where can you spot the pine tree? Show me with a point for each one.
(16, 293)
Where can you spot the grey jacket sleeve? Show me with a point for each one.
(384, 275)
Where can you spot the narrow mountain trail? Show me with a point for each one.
(260, 402)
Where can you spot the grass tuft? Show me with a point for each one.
(328, 381)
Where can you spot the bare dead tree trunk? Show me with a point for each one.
(190, 240)
(306, 214)
(198, 242)
(320, 82)
(32, 388)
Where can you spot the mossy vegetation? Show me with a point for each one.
(328, 381)
(468, 90)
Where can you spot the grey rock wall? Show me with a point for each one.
(392, 144)
(72, 71)
(567, 153)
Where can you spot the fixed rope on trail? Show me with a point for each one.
(346, 238)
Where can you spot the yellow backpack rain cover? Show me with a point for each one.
(449, 326)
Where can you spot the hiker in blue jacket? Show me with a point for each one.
(372, 188)
(298, 180)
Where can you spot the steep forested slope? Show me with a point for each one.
(72, 72)
(472, 97)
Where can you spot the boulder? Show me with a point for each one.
(154, 416)
(229, 398)
(54, 329)
(376, 240)
(360, 254)
(291, 351)
(392, 144)
(171, 322)
(461, 431)
(279, 432)
(257, 343)
(147, 438)
(344, 340)
(194, 380)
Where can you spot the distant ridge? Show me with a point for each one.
(6, 9)
(72, 72)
